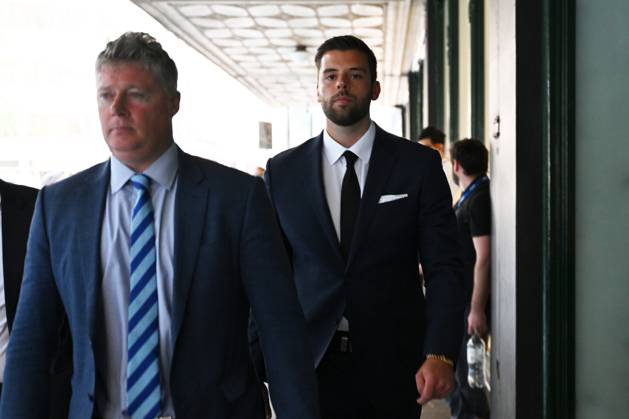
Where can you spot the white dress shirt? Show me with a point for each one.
(333, 169)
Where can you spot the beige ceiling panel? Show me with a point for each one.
(284, 42)
(369, 33)
(332, 11)
(236, 51)
(205, 22)
(243, 57)
(278, 33)
(303, 23)
(269, 57)
(248, 33)
(240, 22)
(258, 42)
(296, 10)
(264, 11)
(218, 33)
(271, 22)
(368, 22)
(268, 51)
(367, 10)
(308, 33)
(332, 22)
(195, 10)
(234, 11)
(329, 33)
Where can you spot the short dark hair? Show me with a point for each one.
(142, 48)
(471, 155)
(349, 43)
(435, 134)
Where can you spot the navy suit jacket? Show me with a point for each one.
(18, 203)
(378, 288)
(228, 257)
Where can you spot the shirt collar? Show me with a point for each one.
(163, 170)
(332, 151)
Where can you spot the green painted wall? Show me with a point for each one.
(602, 209)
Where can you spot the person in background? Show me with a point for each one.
(473, 215)
(434, 138)
(156, 257)
(16, 210)
(356, 211)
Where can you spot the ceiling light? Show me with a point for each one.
(300, 54)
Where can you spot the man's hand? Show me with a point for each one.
(434, 380)
(477, 323)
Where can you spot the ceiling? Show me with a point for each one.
(270, 46)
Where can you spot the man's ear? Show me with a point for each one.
(375, 90)
(174, 104)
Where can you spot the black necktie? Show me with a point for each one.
(350, 202)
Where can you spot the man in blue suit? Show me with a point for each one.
(359, 208)
(156, 257)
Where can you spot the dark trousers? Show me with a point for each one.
(467, 402)
(343, 395)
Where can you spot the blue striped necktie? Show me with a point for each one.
(143, 389)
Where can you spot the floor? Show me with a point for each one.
(436, 409)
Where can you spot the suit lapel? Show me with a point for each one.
(90, 213)
(313, 180)
(381, 163)
(190, 209)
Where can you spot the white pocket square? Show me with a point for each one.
(389, 198)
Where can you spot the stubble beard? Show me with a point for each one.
(348, 116)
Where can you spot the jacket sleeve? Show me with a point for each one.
(441, 263)
(280, 322)
(33, 338)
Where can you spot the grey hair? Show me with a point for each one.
(142, 48)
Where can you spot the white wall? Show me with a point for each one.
(465, 71)
(602, 209)
(501, 100)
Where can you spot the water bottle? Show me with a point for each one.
(476, 362)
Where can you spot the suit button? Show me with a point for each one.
(91, 397)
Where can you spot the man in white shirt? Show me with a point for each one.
(357, 205)
(434, 138)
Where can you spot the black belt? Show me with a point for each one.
(341, 343)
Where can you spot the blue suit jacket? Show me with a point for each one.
(228, 257)
(378, 287)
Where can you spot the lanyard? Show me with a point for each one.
(468, 191)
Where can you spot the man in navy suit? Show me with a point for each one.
(359, 208)
(17, 203)
(156, 257)
(16, 210)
